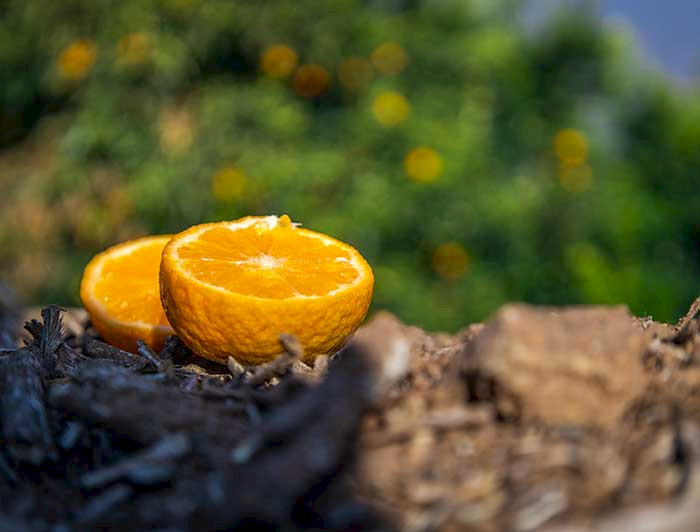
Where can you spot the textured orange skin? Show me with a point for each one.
(124, 336)
(217, 324)
(117, 333)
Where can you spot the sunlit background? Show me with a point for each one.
(475, 151)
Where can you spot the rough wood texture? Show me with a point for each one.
(563, 366)
(571, 419)
(9, 316)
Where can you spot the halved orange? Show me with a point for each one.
(120, 291)
(231, 288)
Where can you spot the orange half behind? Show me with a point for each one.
(120, 291)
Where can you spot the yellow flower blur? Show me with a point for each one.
(76, 60)
(228, 184)
(389, 58)
(134, 49)
(571, 147)
(355, 73)
(450, 261)
(310, 81)
(278, 61)
(423, 164)
(390, 108)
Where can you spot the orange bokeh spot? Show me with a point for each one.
(355, 73)
(390, 108)
(310, 81)
(571, 147)
(389, 58)
(423, 164)
(76, 60)
(450, 261)
(278, 61)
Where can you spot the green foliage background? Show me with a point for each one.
(132, 147)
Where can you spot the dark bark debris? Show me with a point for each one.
(555, 419)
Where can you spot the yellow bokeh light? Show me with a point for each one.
(76, 60)
(571, 147)
(389, 58)
(390, 108)
(310, 81)
(355, 73)
(577, 178)
(278, 61)
(175, 130)
(228, 184)
(450, 261)
(423, 164)
(134, 49)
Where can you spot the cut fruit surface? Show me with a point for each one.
(120, 291)
(231, 288)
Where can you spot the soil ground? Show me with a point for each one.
(571, 418)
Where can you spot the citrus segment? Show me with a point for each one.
(120, 291)
(231, 288)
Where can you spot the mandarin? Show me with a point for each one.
(119, 290)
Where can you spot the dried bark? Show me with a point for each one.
(579, 419)
(159, 441)
(561, 366)
(538, 418)
(24, 423)
(9, 316)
